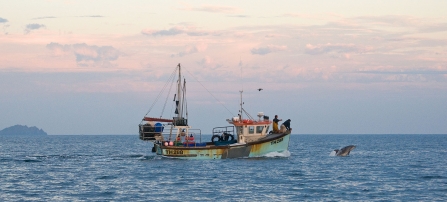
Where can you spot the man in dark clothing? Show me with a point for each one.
(285, 126)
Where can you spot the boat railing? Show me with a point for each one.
(164, 132)
(224, 129)
(195, 133)
(150, 133)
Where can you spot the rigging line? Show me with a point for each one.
(184, 99)
(209, 92)
(159, 94)
(172, 107)
(167, 96)
(246, 113)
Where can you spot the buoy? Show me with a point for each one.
(191, 138)
(166, 144)
(171, 143)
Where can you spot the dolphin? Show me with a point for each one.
(344, 151)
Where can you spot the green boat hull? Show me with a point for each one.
(271, 143)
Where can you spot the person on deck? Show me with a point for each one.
(183, 133)
(275, 124)
(285, 126)
(178, 139)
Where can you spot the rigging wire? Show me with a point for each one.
(209, 92)
(159, 94)
(167, 96)
(184, 99)
(246, 113)
(242, 90)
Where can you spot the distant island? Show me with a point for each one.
(22, 130)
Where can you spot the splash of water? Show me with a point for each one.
(278, 154)
(332, 153)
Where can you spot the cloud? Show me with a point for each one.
(91, 16)
(205, 61)
(216, 9)
(2, 20)
(169, 32)
(189, 30)
(267, 49)
(83, 16)
(422, 72)
(44, 17)
(272, 35)
(59, 49)
(191, 50)
(438, 27)
(304, 16)
(333, 48)
(238, 16)
(85, 54)
(390, 20)
(34, 26)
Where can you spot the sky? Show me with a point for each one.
(332, 67)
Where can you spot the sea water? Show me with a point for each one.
(123, 168)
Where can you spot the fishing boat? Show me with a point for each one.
(240, 138)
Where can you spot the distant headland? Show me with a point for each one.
(22, 130)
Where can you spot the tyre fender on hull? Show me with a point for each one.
(216, 136)
(229, 137)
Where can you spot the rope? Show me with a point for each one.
(184, 100)
(209, 92)
(159, 94)
(246, 113)
(167, 96)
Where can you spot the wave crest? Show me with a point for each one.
(278, 154)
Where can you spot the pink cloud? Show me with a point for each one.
(391, 20)
(176, 30)
(191, 50)
(168, 32)
(86, 54)
(216, 9)
(334, 48)
(267, 49)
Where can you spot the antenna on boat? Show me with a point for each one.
(242, 83)
(240, 111)
(242, 90)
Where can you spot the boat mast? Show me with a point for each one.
(179, 94)
(242, 90)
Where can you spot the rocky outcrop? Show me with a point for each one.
(22, 130)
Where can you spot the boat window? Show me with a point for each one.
(267, 130)
(259, 129)
(251, 129)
